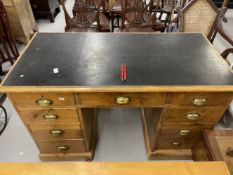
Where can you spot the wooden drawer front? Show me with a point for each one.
(208, 115)
(49, 132)
(179, 131)
(52, 116)
(69, 146)
(174, 143)
(213, 99)
(26, 100)
(121, 99)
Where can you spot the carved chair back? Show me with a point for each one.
(85, 15)
(136, 13)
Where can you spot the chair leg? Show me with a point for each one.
(213, 36)
(112, 22)
(2, 55)
(6, 50)
(12, 44)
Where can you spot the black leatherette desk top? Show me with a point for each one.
(94, 59)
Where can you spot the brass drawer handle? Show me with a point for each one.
(122, 100)
(44, 102)
(200, 101)
(50, 117)
(176, 143)
(192, 116)
(185, 132)
(56, 132)
(63, 148)
(229, 151)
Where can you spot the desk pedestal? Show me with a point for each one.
(64, 125)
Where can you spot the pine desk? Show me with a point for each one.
(179, 81)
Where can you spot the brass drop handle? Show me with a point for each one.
(176, 143)
(63, 148)
(44, 102)
(56, 132)
(229, 151)
(192, 116)
(50, 117)
(185, 132)
(201, 101)
(122, 100)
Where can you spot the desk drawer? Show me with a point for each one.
(49, 132)
(179, 131)
(63, 146)
(52, 116)
(43, 100)
(193, 115)
(121, 99)
(174, 143)
(201, 99)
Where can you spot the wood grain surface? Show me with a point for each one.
(143, 168)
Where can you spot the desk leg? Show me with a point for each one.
(151, 118)
(89, 125)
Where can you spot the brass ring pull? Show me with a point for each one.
(192, 116)
(122, 100)
(176, 143)
(50, 117)
(185, 132)
(44, 102)
(56, 132)
(229, 151)
(63, 148)
(201, 101)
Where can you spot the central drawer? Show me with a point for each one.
(59, 131)
(121, 99)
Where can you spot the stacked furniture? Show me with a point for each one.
(21, 19)
(8, 49)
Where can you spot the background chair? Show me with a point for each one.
(219, 30)
(115, 14)
(164, 9)
(198, 16)
(227, 118)
(86, 17)
(136, 17)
